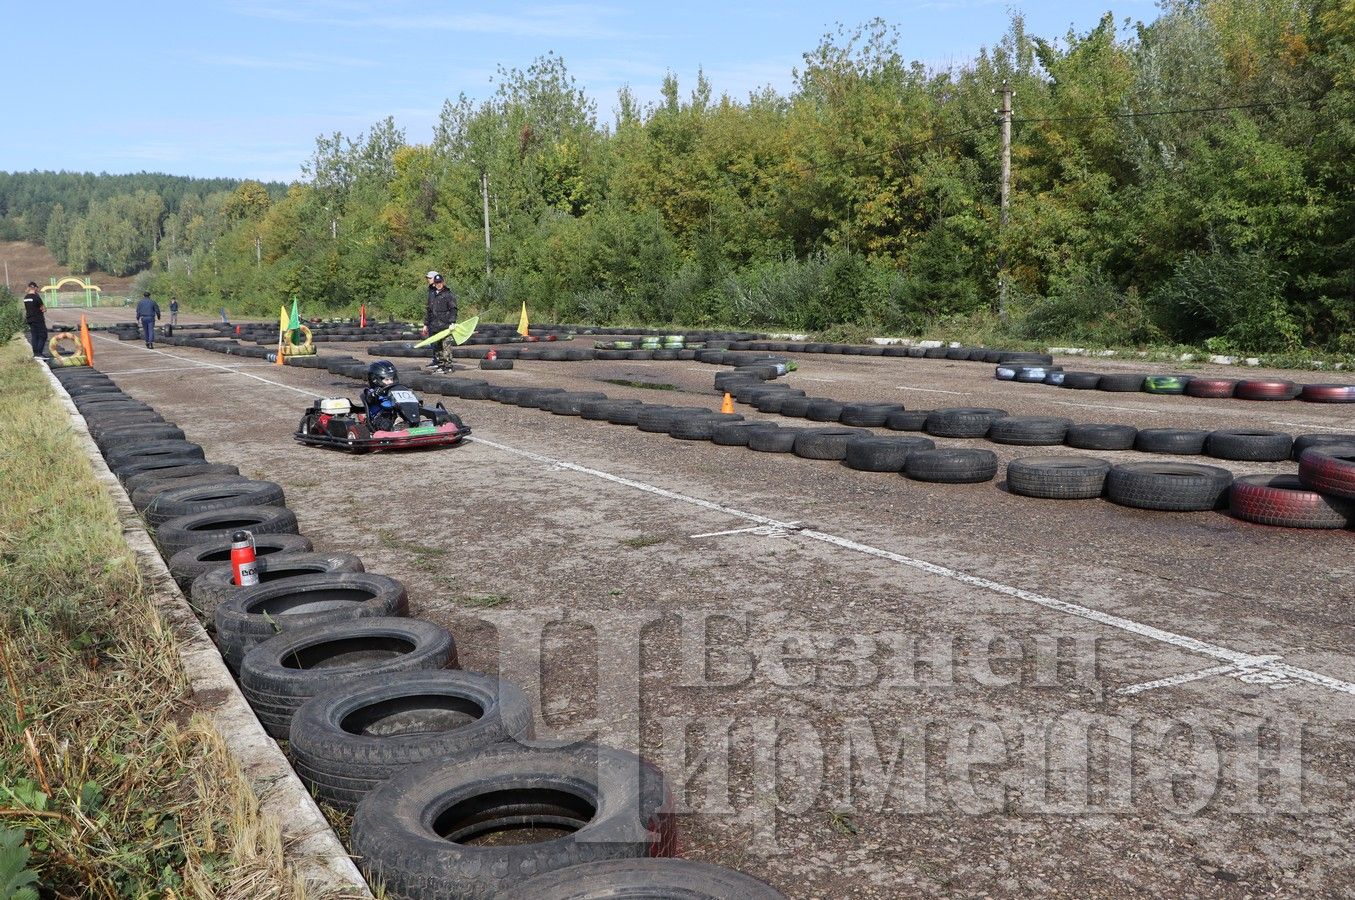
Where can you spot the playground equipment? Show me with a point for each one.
(88, 294)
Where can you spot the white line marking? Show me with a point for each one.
(1235, 658)
(1197, 675)
(171, 369)
(760, 530)
(932, 390)
(1310, 425)
(208, 365)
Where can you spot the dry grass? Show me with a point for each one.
(121, 791)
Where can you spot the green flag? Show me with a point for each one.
(295, 322)
(459, 333)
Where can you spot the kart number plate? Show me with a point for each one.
(423, 429)
(404, 397)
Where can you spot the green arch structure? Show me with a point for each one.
(93, 293)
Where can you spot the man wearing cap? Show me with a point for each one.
(440, 315)
(35, 316)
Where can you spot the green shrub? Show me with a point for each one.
(11, 315)
(1082, 308)
(1227, 301)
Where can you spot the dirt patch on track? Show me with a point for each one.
(894, 728)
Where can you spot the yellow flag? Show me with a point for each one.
(522, 322)
(282, 321)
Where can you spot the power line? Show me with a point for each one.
(1166, 112)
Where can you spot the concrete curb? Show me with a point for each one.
(312, 848)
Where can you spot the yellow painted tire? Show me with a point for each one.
(77, 355)
(305, 348)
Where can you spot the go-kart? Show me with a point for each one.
(342, 424)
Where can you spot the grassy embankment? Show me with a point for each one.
(114, 785)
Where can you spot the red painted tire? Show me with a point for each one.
(1329, 469)
(1284, 501)
(1267, 389)
(1211, 387)
(1328, 393)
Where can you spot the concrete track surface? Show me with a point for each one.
(863, 686)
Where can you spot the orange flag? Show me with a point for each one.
(86, 342)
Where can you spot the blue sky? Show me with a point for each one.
(242, 87)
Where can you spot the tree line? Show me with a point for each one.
(1190, 180)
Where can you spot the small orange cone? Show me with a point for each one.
(86, 342)
(728, 405)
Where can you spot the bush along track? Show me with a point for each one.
(319, 634)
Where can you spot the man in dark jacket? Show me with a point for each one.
(35, 315)
(147, 311)
(440, 315)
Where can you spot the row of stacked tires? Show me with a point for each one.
(1193, 386)
(435, 763)
(1321, 495)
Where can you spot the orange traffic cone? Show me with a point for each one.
(728, 405)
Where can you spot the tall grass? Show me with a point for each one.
(120, 790)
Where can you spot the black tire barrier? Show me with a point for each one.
(1254, 446)
(252, 615)
(796, 407)
(173, 473)
(604, 804)
(1119, 383)
(192, 562)
(125, 456)
(883, 454)
(774, 440)
(1101, 437)
(216, 585)
(1170, 487)
(132, 435)
(346, 741)
(1029, 431)
(496, 364)
(127, 472)
(771, 401)
(145, 495)
(868, 415)
(1285, 501)
(1328, 393)
(656, 879)
(1178, 441)
(908, 420)
(737, 434)
(825, 443)
(1304, 441)
(217, 525)
(1329, 469)
(1057, 477)
(597, 410)
(824, 411)
(283, 672)
(963, 421)
(951, 466)
(628, 414)
(699, 428)
(571, 403)
(185, 501)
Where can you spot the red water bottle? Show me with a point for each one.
(492, 354)
(244, 565)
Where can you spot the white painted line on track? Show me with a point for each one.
(1235, 658)
(208, 365)
(179, 369)
(931, 390)
(761, 530)
(1197, 675)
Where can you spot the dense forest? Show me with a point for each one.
(1191, 180)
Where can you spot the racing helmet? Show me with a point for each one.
(381, 374)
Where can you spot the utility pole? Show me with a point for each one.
(484, 193)
(258, 251)
(1006, 112)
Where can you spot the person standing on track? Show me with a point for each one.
(173, 311)
(147, 311)
(35, 316)
(440, 315)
